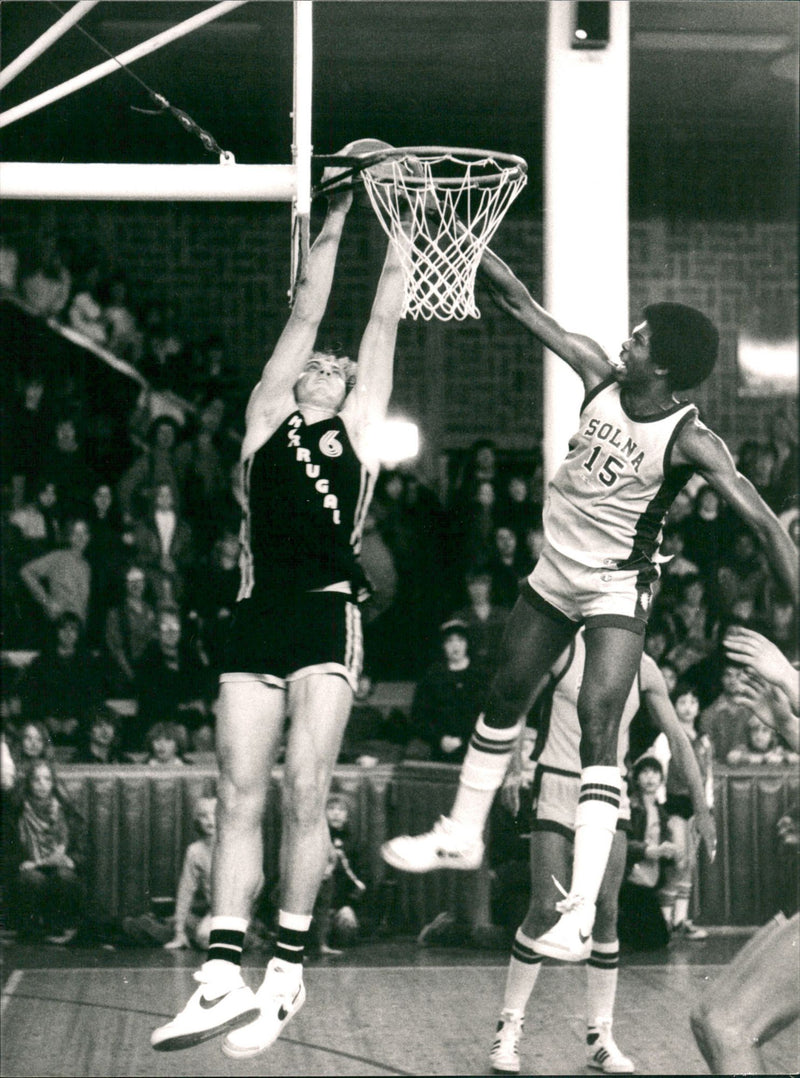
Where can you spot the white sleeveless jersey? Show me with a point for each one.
(561, 748)
(606, 504)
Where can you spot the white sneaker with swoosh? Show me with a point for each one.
(447, 845)
(570, 938)
(221, 1003)
(280, 997)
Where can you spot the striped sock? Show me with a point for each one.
(523, 970)
(292, 938)
(482, 773)
(595, 824)
(226, 939)
(602, 970)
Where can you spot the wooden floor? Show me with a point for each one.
(388, 1009)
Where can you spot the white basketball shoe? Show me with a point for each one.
(570, 938)
(504, 1054)
(221, 1003)
(447, 845)
(603, 1053)
(280, 997)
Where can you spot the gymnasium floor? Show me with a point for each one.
(386, 1008)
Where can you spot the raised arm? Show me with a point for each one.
(584, 355)
(659, 706)
(746, 646)
(367, 402)
(710, 457)
(296, 342)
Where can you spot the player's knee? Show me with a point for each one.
(239, 804)
(304, 797)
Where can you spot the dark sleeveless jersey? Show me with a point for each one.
(306, 495)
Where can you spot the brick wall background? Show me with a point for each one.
(225, 268)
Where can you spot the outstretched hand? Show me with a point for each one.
(754, 650)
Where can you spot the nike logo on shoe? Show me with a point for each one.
(582, 938)
(209, 1004)
(283, 1014)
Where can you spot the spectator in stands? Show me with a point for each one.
(25, 415)
(130, 628)
(693, 623)
(782, 626)
(46, 285)
(67, 465)
(484, 620)
(60, 581)
(782, 427)
(192, 922)
(743, 575)
(163, 347)
(103, 741)
(725, 720)
(61, 685)
(153, 467)
(641, 924)
(203, 477)
(85, 313)
(49, 891)
(479, 465)
(704, 532)
(506, 567)
(446, 701)
(166, 744)
(210, 374)
(760, 747)
(32, 745)
(677, 889)
(473, 522)
(213, 594)
(773, 704)
(124, 337)
(658, 639)
(163, 545)
(36, 527)
(342, 890)
(106, 554)
(173, 679)
(681, 508)
(516, 510)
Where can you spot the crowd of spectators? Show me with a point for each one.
(120, 568)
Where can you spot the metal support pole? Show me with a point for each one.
(95, 73)
(301, 137)
(41, 44)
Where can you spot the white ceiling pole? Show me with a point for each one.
(116, 182)
(303, 70)
(99, 72)
(41, 44)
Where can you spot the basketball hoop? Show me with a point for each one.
(453, 201)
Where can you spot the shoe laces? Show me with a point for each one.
(281, 983)
(569, 902)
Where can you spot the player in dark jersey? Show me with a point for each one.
(308, 468)
(636, 447)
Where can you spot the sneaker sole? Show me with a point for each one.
(504, 1070)
(190, 1040)
(391, 858)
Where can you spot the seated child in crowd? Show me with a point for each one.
(342, 889)
(193, 901)
(761, 747)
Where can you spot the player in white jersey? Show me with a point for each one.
(556, 790)
(310, 461)
(636, 446)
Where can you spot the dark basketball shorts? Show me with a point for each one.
(316, 632)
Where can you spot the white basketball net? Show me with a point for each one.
(452, 220)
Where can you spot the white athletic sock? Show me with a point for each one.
(668, 913)
(482, 773)
(523, 970)
(595, 824)
(601, 983)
